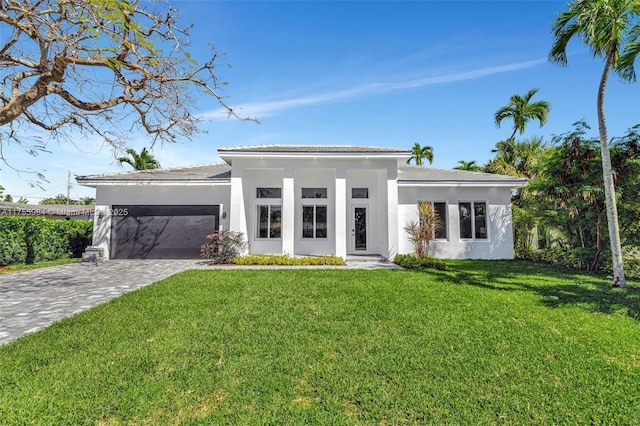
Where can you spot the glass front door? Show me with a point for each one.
(359, 230)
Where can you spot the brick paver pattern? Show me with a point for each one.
(34, 299)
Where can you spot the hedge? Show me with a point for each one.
(34, 239)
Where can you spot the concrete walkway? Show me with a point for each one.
(32, 300)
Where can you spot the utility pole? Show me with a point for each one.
(68, 185)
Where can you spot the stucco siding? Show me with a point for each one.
(499, 241)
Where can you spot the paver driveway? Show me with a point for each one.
(32, 300)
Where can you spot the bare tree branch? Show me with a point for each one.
(100, 59)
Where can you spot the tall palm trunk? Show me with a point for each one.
(619, 279)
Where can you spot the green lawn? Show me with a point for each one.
(486, 343)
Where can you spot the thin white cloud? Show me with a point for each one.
(265, 109)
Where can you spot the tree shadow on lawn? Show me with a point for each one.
(555, 286)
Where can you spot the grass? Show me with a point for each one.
(27, 266)
(483, 343)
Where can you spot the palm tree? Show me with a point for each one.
(521, 111)
(611, 30)
(470, 166)
(517, 158)
(143, 161)
(419, 153)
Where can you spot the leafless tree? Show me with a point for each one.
(102, 67)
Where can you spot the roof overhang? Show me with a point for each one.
(148, 182)
(229, 156)
(466, 184)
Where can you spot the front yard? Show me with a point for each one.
(488, 342)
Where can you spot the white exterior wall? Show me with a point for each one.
(339, 176)
(108, 196)
(498, 245)
(389, 207)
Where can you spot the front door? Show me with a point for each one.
(359, 232)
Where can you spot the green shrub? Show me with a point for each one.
(13, 248)
(286, 260)
(412, 261)
(578, 258)
(34, 239)
(223, 246)
(582, 259)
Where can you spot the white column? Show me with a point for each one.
(392, 215)
(288, 212)
(342, 233)
(236, 212)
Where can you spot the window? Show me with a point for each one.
(473, 220)
(314, 213)
(480, 216)
(314, 221)
(314, 192)
(268, 192)
(359, 192)
(269, 219)
(441, 210)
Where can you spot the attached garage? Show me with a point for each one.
(161, 232)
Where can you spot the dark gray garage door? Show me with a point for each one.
(161, 232)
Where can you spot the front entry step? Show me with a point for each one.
(374, 258)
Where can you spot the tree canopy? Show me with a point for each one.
(420, 153)
(521, 110)
(611, 31)
(102, 67)
(143, 161)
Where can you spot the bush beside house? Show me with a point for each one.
(35, 239)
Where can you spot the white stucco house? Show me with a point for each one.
(302, 200)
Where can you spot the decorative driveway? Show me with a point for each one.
(32, 300)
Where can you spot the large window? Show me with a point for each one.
(314, 221)
(473, 220)
(314, 213)
(269, 221)
(269, 215)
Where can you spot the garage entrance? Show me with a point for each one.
(161, 232)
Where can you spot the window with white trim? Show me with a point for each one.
(439, 208)
(314, 192)
(314, 221)
(359, 192)
(269, 221)
(268, 192)
(314, 213)
(269, 215)
(473, 220)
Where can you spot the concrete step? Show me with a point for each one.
(367, 258)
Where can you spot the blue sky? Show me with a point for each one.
(365, 73)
